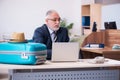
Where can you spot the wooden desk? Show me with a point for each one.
(106, 37)
(107, 52)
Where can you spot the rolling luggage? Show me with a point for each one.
(22, 53)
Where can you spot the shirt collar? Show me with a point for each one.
(51, 31)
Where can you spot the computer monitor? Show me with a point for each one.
(110, 25)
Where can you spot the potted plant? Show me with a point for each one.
(69, 26)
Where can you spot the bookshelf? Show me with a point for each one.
(93, 12)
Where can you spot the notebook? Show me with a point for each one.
(65, 51)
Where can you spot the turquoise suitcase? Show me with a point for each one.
(22, 53)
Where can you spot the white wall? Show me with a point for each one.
(26, 15)
(111, 13)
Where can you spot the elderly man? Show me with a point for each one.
(51, 31)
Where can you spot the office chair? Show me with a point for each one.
(106, 25)
(112, 25)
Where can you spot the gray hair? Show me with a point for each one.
(50, 12)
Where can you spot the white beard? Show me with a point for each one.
(55, 29)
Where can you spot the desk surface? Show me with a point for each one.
(82, 63)
(100, 50)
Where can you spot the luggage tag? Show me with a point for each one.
(24, 56)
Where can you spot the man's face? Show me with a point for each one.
(53, 21)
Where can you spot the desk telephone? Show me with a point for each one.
(98, 59)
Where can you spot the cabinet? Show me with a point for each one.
(90, 13)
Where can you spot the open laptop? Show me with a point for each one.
(65, 51)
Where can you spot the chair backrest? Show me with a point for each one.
(110, 25)
(106, 25)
